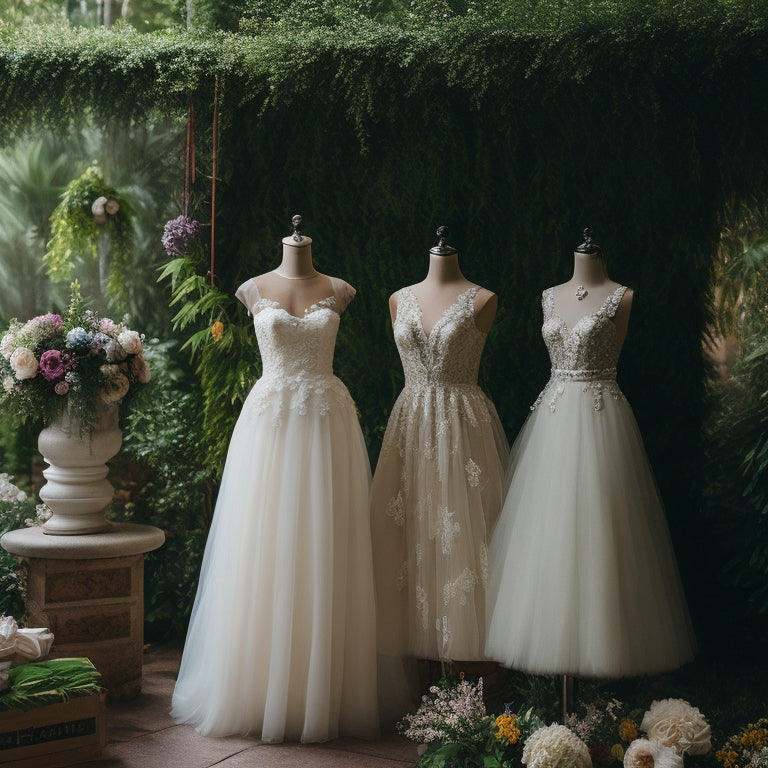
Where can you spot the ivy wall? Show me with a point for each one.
(516, 130)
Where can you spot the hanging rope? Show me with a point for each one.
(189, 157)
(213, 174)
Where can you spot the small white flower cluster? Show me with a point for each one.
(674, 728)
(9, 492)
(444, 711)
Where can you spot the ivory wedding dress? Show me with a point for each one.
(437, 490)
(281, 643)
(583, 575)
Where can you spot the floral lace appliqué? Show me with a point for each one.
(460, 587)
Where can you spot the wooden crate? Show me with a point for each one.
(55, 735)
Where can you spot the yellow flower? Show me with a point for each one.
(726, 757)
(507, 728)
(755, 738)
(617, 752)
(217, 330)
(627, 730)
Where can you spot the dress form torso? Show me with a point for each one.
(440, 289)
(590, 280)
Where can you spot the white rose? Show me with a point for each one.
(24, 363)
(130, 342)
(8, 629)
(34, 644)
(675, 723)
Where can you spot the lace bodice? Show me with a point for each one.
(296, 356)
(591, 345)
(291, 346)
(450, 354)
(587, 353)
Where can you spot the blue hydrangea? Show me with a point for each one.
(78, 338)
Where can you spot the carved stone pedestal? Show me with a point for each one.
(89, 589)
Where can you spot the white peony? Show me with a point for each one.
(8, 630)
(675, 723)
(130, 342)
(555, 746)
(34, 644)
(24, 363)
(642, 753)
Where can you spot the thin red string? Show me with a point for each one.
(213, 173)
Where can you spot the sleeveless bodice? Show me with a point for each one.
(296, 358)
(296, 347)
(449, 356)
(588, 352)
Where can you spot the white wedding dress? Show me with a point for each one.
(281, 644)
(437, 490)
(583, 575)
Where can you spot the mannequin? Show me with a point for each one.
(443, 283)
(585, 292)
(296, 285)
(288, 565)
(437, 489)
(582, 523)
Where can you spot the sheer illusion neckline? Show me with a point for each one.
(446, 313)
(328, 302)
(599, 311)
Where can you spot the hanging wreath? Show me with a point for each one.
(91, 224)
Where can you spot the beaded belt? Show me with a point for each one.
(584, 374)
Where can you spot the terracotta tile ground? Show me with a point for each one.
(140, 734)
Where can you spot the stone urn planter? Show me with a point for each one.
(76, 488)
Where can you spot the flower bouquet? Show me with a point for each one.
(77, 361)
(455, 730)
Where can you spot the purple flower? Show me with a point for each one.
(177, 233)
(52, 365)
(54, 321)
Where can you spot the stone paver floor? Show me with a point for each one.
(141, 734)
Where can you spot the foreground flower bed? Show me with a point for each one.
(456, 731)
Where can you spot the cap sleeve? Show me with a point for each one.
(343, 292)
(248, 293)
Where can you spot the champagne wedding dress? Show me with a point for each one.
(437, 490)
(281, 644)
(583, 575)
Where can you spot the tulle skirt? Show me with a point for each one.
(583, 577)
(281, 643)
(436, 494)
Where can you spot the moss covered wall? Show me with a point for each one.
(637, 118)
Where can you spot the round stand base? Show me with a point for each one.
(90, 591)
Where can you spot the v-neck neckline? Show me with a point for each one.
(443, 316)
(599, 311)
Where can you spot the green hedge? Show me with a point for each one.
(515, 129)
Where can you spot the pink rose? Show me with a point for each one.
(61, 388)
(130, 341)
